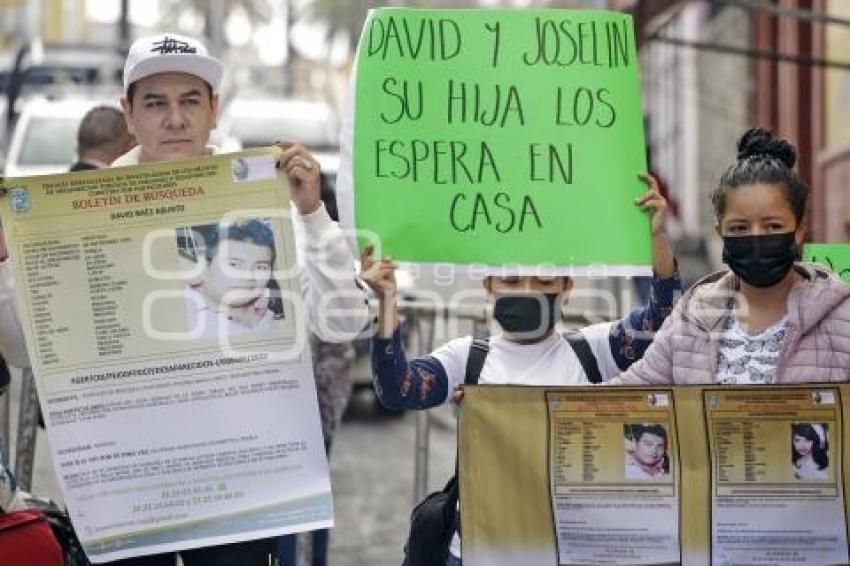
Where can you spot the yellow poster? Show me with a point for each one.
(653, 476)
(163, 315)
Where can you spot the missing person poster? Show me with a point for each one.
(777, 490)
(612, 462)
(653, 476)
(162, 309)
(481, 136)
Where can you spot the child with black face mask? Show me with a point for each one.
(528, 351)
(770, 319)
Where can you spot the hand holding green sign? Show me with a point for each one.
(501, 137)
(834, 256)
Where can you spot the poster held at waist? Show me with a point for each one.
(654, 475)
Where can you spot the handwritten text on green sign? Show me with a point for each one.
(487, 122)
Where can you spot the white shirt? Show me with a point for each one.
(634, 471)
(213, 323)
(809, 470)
(549, 362)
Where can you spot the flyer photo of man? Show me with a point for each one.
(810, 451)
(232, 290)
(645, 453)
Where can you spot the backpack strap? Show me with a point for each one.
(478, 351)
(475, 361)
(585, 355)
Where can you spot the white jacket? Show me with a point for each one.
(336, 303)
(12, 343)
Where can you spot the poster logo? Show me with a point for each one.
(240, 169)
(20, 199)
(658, 400)
(823, 397)
(259, 168)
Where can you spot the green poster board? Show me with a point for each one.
(834, 256)
(501, 137)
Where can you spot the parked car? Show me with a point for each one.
(259, 122)
(57, 70)
(44, 140)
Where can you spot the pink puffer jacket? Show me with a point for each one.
(685, 348)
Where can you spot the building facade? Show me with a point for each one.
(712, 69)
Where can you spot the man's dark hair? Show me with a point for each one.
(131, 90)
(102, 126)
(638, 430)
(252, 231)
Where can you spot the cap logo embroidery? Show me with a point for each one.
(171, 45)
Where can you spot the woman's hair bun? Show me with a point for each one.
(761, 142)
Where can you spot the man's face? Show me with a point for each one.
(650, 449)
(171, 116)
(238, 273)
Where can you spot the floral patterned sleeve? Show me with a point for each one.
(420, 384)
(632, 335)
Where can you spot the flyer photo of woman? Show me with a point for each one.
(810, 451)
(646, 452)
(234, 291)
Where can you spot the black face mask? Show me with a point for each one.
(761, 261)
(526, 313)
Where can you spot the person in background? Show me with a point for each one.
(102, 138)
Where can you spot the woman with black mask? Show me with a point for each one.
(528, 350)
(770, 319)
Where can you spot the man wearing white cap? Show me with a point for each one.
(170, 104)
(171, 99)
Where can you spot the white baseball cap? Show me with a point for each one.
(171, 53)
